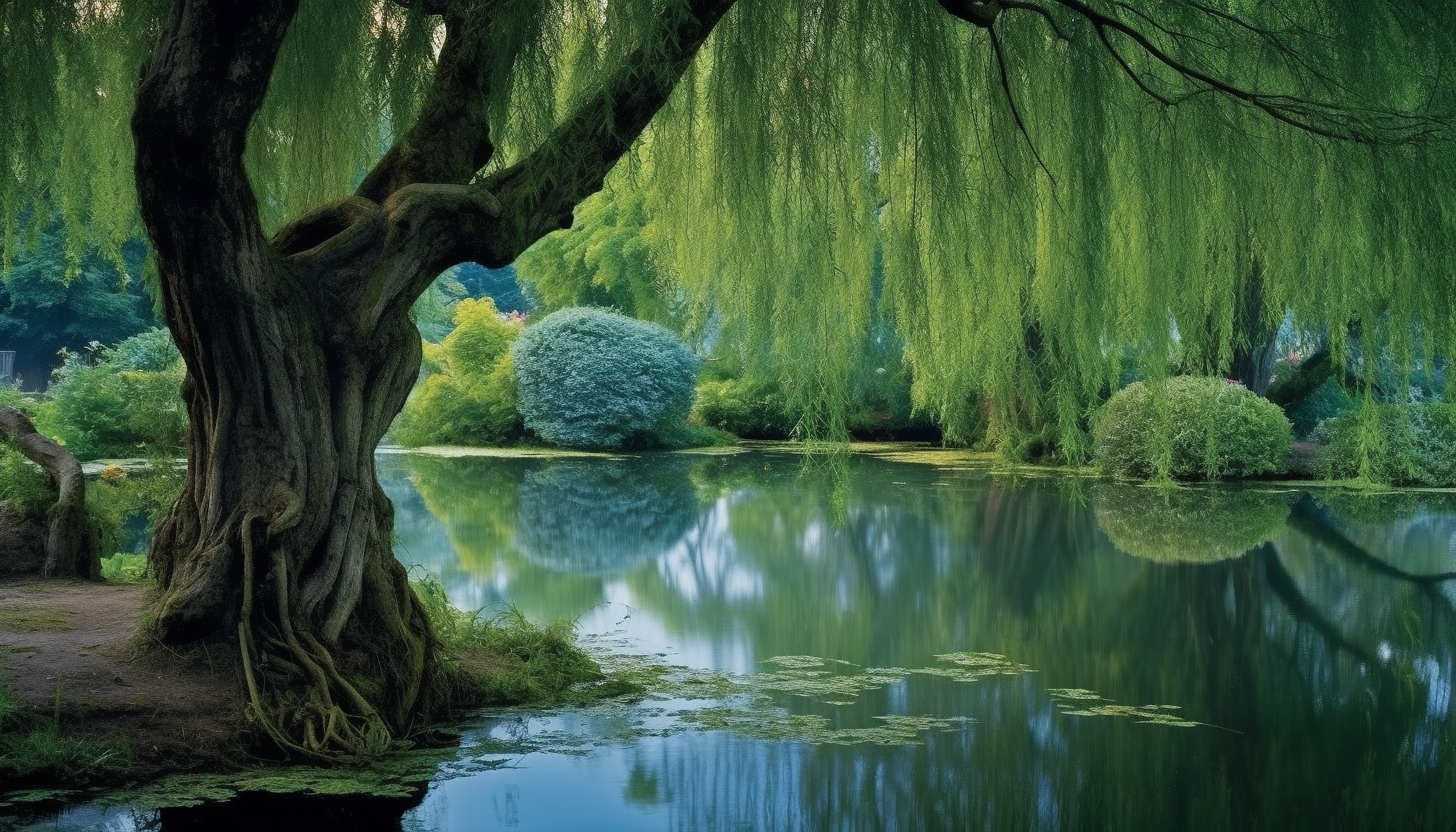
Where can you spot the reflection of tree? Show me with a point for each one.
(1202, 525)
(602, 517)
(1325, 654)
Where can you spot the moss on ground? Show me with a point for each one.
(33, 621)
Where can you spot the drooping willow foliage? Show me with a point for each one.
(1021, 266)
(1078, 183)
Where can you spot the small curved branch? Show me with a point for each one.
(979, 13)
(1011, 103)
(431, 7)
(1038, 10)
(70, 546)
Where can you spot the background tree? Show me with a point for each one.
(50, 302)
(1088, 157)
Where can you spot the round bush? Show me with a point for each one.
(746, 408)
(604, 516)
(1189, 427)
(587, 378)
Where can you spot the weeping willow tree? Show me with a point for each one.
(1047, 181)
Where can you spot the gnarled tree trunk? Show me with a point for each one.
(300, 351)
(70, 540)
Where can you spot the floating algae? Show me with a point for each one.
(1080, 702)
(680, 699)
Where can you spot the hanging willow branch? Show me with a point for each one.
(1336, 120)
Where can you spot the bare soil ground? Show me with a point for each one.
(70, 648)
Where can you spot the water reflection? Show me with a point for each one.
(1309, 634)
(1312, 635)
(603, 517)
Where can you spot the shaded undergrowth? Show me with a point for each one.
(34, 749)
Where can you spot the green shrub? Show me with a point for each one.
(152, 351)
(128, 403)
(123, 568)
(470, 396)
(1391, 444)
(24, 485)
(1189, 427)
(1324, 402)
(744, 407)
(131, 505)
(588, 378)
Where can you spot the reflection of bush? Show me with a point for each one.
(475, 500)
(604, 516)
(1187, 526)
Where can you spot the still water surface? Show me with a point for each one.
(1211, 659)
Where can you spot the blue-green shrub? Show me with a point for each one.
(1393, 444)
(587, 378)
(1324, 402)
(1188, 427)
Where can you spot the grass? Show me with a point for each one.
(122, 568)
(503, 659)
(33, 621)
(33, 750)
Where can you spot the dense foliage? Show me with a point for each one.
(605, 259)
(1391, 444)
(55, 298)
(1326, 401)
(588, 378)
(745, 407)
(469, 396)
(1190, 427)
(122, 402)
(782, 167)
(24, 485)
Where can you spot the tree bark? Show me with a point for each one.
(300, 351)
(71, 541)
(1254, 335)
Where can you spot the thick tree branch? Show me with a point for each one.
(539, 192)
(450, 139)
(1283, 585)
(1309, 520)
(206, 79)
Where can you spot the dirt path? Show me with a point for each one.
(72, 643)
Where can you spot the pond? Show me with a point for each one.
(915, 641)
